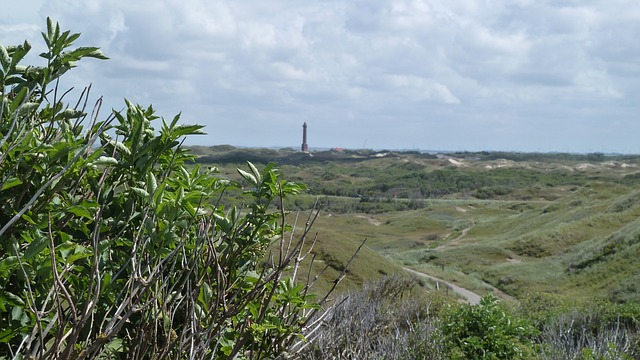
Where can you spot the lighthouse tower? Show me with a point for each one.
(305, 147)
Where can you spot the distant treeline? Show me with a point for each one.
(285, 156)
(230, 154)
(542, 157)
(365, 175)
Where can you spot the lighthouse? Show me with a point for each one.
(305, 147)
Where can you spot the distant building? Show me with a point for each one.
(305, 147)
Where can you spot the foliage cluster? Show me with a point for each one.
(111, 246)
(487, 331)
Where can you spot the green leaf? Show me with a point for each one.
(65, 248)
(59, 151)
(11, 183)
(255, 171)
(90, 204)
(70, 114)
(81, 52)
(80, 252)
(35, 247)
(254, 310)
(175, 120)
(105, 160)
(73, 38)
(224, 223)
(4, 57)
(183, 130)
(250, 178)
(97, 54)
(16, 313)
(28, 219)
(14, 299)
(17, 102)
(81, 211)
(8, 334)
(141, 192)
(51, 32)
(27, 108)
(120, 147)
(152, 183)
(148, 147)
(8, 263)
(60, 41)
(106, 279)
(157, 195)
(18, 54)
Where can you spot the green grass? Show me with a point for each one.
(561, 228)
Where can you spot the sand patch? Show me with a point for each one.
(372, 221)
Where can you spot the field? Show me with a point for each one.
(514, 223)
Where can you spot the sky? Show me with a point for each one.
(517, 75)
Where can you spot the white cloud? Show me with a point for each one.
(474, 69)
(418, 89)
(597, 82)
(411, 14)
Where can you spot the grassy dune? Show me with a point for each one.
(562, 224)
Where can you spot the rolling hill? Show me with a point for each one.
(564, 224)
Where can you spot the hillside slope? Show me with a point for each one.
(523, 223)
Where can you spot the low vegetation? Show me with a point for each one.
(387, 319)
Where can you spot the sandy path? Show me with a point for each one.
(472, 298)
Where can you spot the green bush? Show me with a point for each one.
(486, 331)
(111, 246)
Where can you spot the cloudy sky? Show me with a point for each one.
(549, 75)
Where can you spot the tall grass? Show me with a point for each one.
(381, 321)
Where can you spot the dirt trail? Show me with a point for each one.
(454, 241)
(472, 298)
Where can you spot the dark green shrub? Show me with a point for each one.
(486, 331)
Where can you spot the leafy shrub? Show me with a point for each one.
(111, 246)
(486, 331)
(492, 192)
(529, 246)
